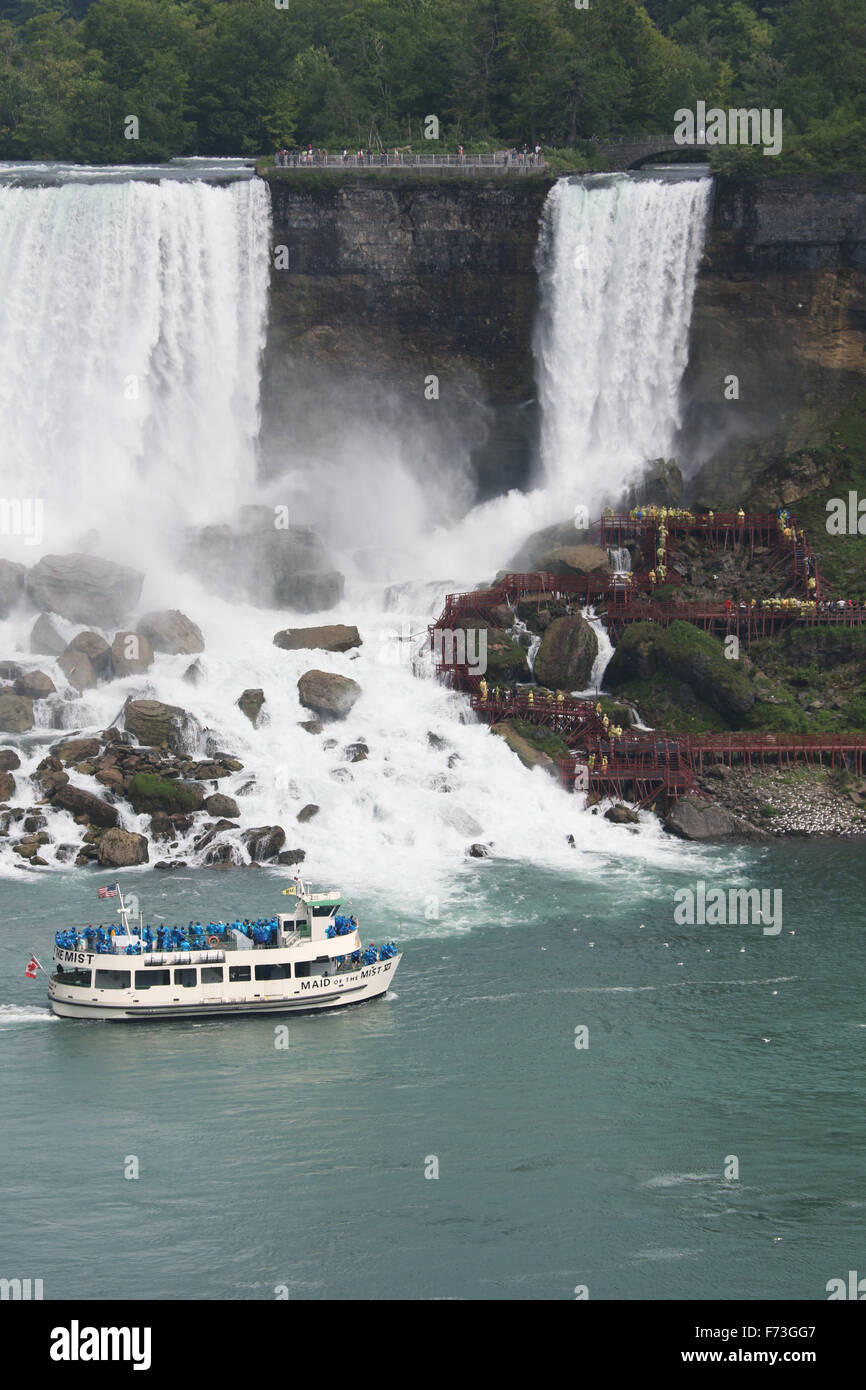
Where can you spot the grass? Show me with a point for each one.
(146, 786)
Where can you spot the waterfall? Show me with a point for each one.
(618, 259)
(133, 320)
(620, 559)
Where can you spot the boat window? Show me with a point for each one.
(75, 977)
(145, 979)
(112, 979)
(323, 911)
(274, 972)
(239, 972)
(211, 974)
(185, 977)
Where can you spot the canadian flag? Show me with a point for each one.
(32, 968)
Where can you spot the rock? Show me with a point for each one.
(77, 668)
(436, 740)
(173, 632)
(622, 815)
(84, 588)
(311, 592)
(312, 726)
(328, 695)
(258, 558)
(334, 638)
(154, 723)
(82, 803)
(250, 703)
(291, 856)
(575, 559)
(75, 750)
(161, 827)
(193, 673)
(45, 639)
(149, 792)
(692, 818)
(529, 756)
(50, 776)
(7, 785)
(131, 654)
(264, 842)
(16, 713)
(662, 484)
(35, 684)
(356, 752)
(10, 670)
(9, 760)
(219, 805)
(506, 659)
(691, 656)
(566, 655)
(120, 848)
(11, 584)
(307, 812)
(478, 851)
(95, 648)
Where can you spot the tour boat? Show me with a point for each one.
(301, 961)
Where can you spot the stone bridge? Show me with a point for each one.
(631, 154)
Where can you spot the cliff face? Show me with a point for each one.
(391, 282)
(781, 305)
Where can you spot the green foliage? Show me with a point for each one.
(220, 77)
(146, 786)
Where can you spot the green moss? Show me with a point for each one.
(554, 745)
(146, 786)
(660, 703)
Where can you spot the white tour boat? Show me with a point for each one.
(308, 959)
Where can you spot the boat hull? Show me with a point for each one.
(312, 997)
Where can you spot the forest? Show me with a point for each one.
(242, 77)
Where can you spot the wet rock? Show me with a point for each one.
(194, 674)
(209, 771)
(478, 851)
(9, 760)
(436, 740)
(75, 750)
(310, 591)
(219, 805)
(35, 684)
(566, 655)
(291, 856)
(622, 815)
(161, 827)
(328, 695)
(7, 786)
(45, 640)
(77, 668)
(155, 724)
(168, 865)
(692, 818)
(82, 803)
(10, 670)
(529, 756)
(307, 812)
(150, 792)
(341, 774)
(575, 559)
(120, 848)
(312, 726)
(50, 776)
(335, 637)
(84, 588)
(250, 704)
(16, 713)
(34, 822)
(95, 648)
(131, 654)
(173, 632)
(356, 752)
(264, 842)
(11, 585)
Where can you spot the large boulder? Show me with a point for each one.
(566, 655)
(222, 806)
(16, 712)
(35, 684)
(120, 848)
(45, 640)
(9, 760)
(506, 659)
(328, 695)
(647, 652)
(156, 724)
(76, 750)
(575, 559)
(250, 703)
(257, 558)
(307, 812)
(77, 668)
(149, 792)
(95, 648)
(692, 818)
(7, 785)
(11, 584)
(131, 654)
(336, 637)
(84, 588)
(529, 756)
(82, 803)
(173, 632)
(311, 591)
(264, 842)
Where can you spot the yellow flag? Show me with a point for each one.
(293, 890)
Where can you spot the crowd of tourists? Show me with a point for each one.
(305, 156)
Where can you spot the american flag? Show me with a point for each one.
(106, 892)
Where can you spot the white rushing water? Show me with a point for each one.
(164, 286)
(618, 259)
(133, 320)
